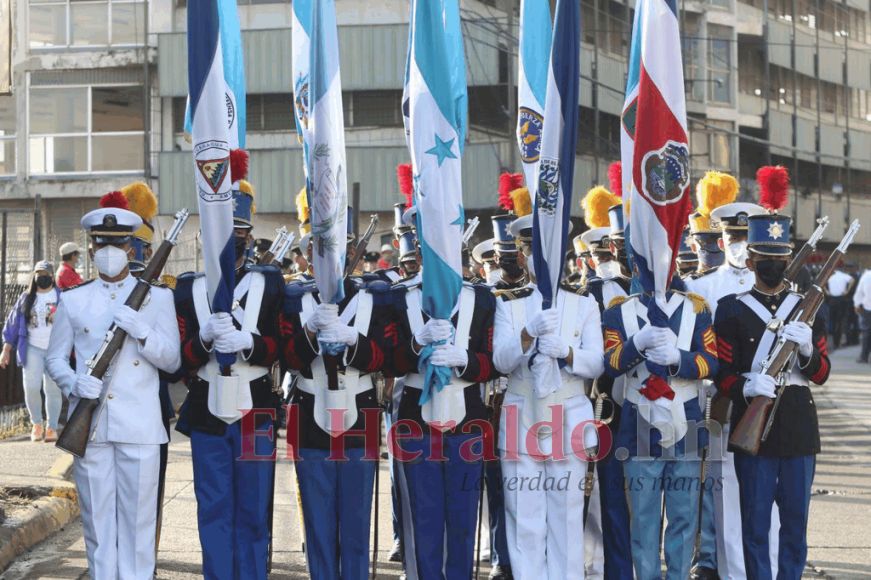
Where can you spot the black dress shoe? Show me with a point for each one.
(396, 552)
(703, 573)
(501, 573)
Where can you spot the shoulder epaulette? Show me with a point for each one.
(166, 281)
(514, 294)
(79, 285)
(700, 305)
(403, 283)
(617, 301)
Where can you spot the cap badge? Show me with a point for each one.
(775, 231)
(110, 221)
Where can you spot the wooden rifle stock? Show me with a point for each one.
(75, 436)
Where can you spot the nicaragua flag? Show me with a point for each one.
(212, 138)
(325, 143)
(536, 37)
(436, 127)
(654, 147)
(300, 64)
(556, 167)
(234, 74)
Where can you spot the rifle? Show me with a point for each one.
(470, 230)
(491, 389)
(756, 422)
(360, 249)
(798, 261)
(703, 472)
(591, 464)
(75, 436)
(268, 257)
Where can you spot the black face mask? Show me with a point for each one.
(510, 267)
(771, 272)
(241, 244)
(43, 282)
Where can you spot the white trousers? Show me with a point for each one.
(545, 527)
(117, 486)
(727, 515)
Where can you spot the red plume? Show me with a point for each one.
(508, 182)
(615, 178)
(773, 187)
(238, 165)
(405, 175)
(115, 199)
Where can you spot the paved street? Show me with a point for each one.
(839, 531)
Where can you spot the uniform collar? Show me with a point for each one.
(112, 286)
(769, 300)
(733, 270)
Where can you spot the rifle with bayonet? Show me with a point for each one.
(703, 476)
(75, 436)
(600, 399)
(268, 257)
(360, 249)
(470, 230)
(757, 420)
(801, 257)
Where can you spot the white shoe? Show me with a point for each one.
(36, 434)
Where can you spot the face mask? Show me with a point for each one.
(771, 272)
(241, 244)
(736, 253)
(43, 282)
(110, 261)
(511, 268)
(608, 270)
(494, 275)
(530, 265)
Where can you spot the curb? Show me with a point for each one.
(51, 514)
(62, 468)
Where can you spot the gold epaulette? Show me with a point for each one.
(514, 293)
(168, 281)
(288, 277)
(617, 301)
(700, 305)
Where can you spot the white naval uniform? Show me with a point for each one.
(117, 479)
(544, 529)
(727, 280)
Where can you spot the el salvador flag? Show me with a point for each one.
(234, 73)
(325, 145)
(536, 38)
(556, 167)
(436, 127)
(300, 64)
(212, 138)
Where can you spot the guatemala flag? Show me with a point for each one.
(536, 37)
(436, 126)
(325, 144)
(556, 168)
(234, 74)
(654, 147)
(212, 136)
(300, 63)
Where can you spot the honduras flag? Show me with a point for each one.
(234, 74)
(536, 37)
(325, 143)
(213, 137)
(556, 167)
(436, 127)
(300, 63)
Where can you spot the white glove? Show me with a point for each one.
(338, 333)
(666, 355)
(650, 337)
(759, 385)
(553, 346)
(133, 322)
(234, 341)
(324, 315)
(801, 334)
(434, 331)
(87, 387)
(218, 323)
(544, 322)
(450, 355)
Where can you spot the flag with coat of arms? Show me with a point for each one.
(300, 65)
(536, 37)
(435, 119)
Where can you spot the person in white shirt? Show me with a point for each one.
(862, 304)
(838, 288)
(27, 329)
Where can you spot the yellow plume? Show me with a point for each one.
(714, 190)
(141, 199)
(596, 204)
(700, 222)
(246, 187)
(301, 206)
(522, 202)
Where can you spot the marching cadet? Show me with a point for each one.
(544, 525)
(117, 480)
(704, 241)
(611, 552)
(687, 260)
(336, 496)
(715, 193)
(655, 423)
(783, 470)
(233, 487)
(485, 254)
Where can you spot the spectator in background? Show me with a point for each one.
(838, 288)
(27, 330)
(370, 261)
(862, 304)
(66, 275)
(851, 326)
(386, 260)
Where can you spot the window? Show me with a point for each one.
(7, 135)
(720, 63)
(376, 109)
(76, 23)
(86, 129)
(692, 60)
(270, 112)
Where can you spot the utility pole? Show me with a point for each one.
(767, 90)
(508, 6)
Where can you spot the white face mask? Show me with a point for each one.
(530, 266)
(736, 253)
(110, 261)
(608, 270)
(494, 275)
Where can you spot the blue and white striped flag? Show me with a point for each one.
(556, 168)
(436, 125)
(212, 137)
(234, 74)
(325, 144)
(536, 38)
(300, 65)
